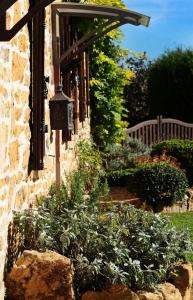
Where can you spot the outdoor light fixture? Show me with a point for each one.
(61, 111)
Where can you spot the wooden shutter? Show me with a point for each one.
(37, 91)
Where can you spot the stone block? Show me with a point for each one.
(17, 12)
(169, 291)
(16, 95)
(26, 81)
(17, 130)
(4, 129)
(3, 91)
(14, 154)
(23, 43)
(18, 111)
(24, 97)
(18, 67)
(3, 195)
(4, 109)
(12, 184)
(8, 20)
(143, 295)
(25, 158)
(2, 182)
(116, 292)
(5, 53)
(21, 196)
(182, 280)
(5, 74)
(40, 276)
(1, 214)
(26, 113)
(3, 143)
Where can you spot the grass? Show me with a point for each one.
(183, 221)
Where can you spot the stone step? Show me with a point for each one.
(120, 193)
(135, 201)
(120, 196)
(118, 189)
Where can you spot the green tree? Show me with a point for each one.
(170, 85)
(136, 92)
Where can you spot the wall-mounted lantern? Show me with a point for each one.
(61, 111)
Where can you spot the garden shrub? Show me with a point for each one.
(119, 177)
(159, 183)
(182, 150)
(121, 245)
(136, 146)
(118, 156)
(119, 160)
(90, 162)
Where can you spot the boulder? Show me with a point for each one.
(116, 292)
(182, 280)
(143, 295)
(40, 276)
(169, 291)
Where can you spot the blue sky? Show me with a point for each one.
(171, 25)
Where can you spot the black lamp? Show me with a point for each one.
(61, 111)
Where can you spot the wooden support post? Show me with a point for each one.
(57, 132)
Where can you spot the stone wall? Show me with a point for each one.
(18, 189)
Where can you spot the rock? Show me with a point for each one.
(169, 291)
(116, 292)
(143, 295)
(182, 280)
(40, 276)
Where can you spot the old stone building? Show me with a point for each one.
(27, 150)
(36, 54)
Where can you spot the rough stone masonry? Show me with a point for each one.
(18, 189)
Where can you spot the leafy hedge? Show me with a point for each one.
(160, 184)
(119, 177)
(123, 245)
(180, 149)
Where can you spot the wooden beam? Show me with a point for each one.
(7, 35)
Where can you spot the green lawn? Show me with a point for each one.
(181, 221)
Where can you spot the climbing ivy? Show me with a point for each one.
(106, 92)
(107, 80)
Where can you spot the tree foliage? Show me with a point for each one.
(107, 80)
(170, 85)
(135, 91)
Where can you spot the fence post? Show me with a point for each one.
(160, 128)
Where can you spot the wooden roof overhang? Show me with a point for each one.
(112, 17)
